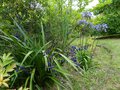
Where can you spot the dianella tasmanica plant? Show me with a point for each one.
(39, 65)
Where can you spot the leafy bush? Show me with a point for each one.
(108, 12)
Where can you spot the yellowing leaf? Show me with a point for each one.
(3, 81)
(10, 68)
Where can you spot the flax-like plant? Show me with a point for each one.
(34, 64)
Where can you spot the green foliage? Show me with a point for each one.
(85, 53)
(7, 65)
(30, 54)
(110, 13)
(85, 59)
(102, 6)
(105, 72)
(58, 18)
(22, 12)
(82, 52)
(29, 29)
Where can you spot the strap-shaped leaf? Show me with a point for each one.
(26, 56)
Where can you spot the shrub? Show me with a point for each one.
(108, 12)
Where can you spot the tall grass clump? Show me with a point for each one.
(37, 65)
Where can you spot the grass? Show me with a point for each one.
(107, 74)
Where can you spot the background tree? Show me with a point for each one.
(108, 11)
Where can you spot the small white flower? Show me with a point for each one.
(36, 5)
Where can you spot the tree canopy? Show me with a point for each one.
(110, 14)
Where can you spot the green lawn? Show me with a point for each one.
(106, 74)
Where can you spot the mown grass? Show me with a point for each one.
(106, 73)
